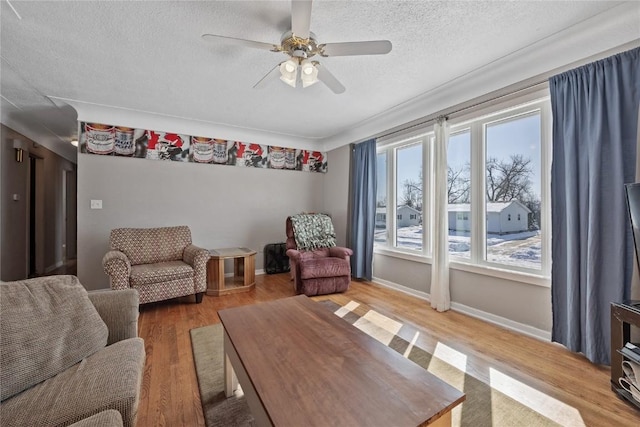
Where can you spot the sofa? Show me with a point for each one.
(67, 355)
(318, 266)
(161, 263)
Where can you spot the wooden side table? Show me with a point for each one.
(244, 271)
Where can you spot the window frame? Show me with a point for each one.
(391, 147)
(475, 121)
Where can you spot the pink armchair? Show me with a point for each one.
(317, 266)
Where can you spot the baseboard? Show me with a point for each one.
(54, 266)
(502, 321)
(473, 312)
(405, 290)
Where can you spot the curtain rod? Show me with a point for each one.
(446, 114)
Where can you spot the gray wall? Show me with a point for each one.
(224, 206)
(14, 219)
(336, 191)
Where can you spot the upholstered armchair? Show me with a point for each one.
(318, 266)
(161, 263)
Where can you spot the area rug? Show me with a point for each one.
(484, 405)
(208, 353)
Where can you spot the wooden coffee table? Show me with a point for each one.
(244, 271)
(301, 365)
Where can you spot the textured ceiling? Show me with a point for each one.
(149, 57)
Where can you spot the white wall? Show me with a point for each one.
(224, 206)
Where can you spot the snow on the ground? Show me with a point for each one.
(521, 249)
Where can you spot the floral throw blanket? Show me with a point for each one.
(313, 231)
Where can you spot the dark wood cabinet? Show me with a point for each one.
(623, 317)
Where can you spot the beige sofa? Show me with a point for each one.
(68, 355)
(161, 263)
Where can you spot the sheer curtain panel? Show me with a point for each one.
(595, 119)
(440, 295)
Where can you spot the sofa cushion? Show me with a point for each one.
(151, 245)
(147, 274)
(324, 285)
(324, 267)
(48, 324)
(109, 379)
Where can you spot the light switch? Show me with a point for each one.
(96, 204)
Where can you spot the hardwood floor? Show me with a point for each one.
(541, 372)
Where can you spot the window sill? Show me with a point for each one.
(516, 276)
(409, 256)
(485, 270)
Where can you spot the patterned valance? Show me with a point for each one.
(313, 231)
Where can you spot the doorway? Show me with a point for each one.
(35, 230)
(69, 206)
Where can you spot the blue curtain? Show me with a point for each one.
(595, 119)
(362, 217)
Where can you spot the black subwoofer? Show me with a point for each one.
(275, 258)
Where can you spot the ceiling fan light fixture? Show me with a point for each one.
(289, 71)
(308, 73)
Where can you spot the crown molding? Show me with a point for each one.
(606, 34)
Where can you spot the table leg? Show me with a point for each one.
(230, 379)
(443, 421)
(249, 264)
(231, 359)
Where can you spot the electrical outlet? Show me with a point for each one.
(96, 204)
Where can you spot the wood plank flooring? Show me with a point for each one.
(170, 394)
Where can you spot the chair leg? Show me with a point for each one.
(199, 296)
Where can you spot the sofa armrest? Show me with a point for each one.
(197, 258)
(340, 252)
(119, 310)
(117, 266)
(107, 418)
(293, 254)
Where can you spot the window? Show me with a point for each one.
(512, 179)
(497, 171)
(381, 200)
(408, 194)
(403, 188)
(459, 193)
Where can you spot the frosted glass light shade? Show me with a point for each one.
(289, 72)
(308, 73)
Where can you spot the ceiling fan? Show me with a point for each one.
(301, 45)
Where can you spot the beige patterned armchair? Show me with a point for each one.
(161, 263)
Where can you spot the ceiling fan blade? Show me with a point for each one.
(267, 78)
(373, 47)
(301, 18)
(329, 79)
(241, 42)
